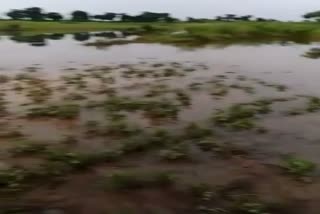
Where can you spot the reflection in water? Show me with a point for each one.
(110, 35)
(313, 53)
(55, 36)
(35, 40)
(81, 37)
(41, 39)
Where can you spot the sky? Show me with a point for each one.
(278, 9)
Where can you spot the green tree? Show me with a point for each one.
(16, 14)
(109, 16)
(79, 15)
(34, 13)
(54, 16)
(106, 16)
(311, 15)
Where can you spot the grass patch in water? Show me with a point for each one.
(237, 117)
(313, 104)
(27, 148)
(175, 152)
(65, 111)
(183, 97)
(298, 167)
(242, 116)
(154, 109)
(194, 131)
(120, 129)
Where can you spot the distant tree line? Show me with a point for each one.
(38, 14)
(34, 13)
(230, 18)
(313, 15)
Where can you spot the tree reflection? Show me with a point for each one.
(313, 53)
(34, 40)
(81, 37)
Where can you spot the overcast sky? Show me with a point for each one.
(279, 9)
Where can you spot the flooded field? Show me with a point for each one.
(151, 128)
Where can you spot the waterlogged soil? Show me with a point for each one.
(156, 129)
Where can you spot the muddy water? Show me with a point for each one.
(272, 63)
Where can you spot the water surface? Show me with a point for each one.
(278, 63)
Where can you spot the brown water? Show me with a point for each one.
(272, 63)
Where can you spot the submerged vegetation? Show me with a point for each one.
(298, 167)
(242, 116)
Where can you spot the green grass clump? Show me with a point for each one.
(65, 111)
(247, 89)
(237, 117)
(27, 148)
(183, 98)
(78, 161)
(135, 144)
(120, 128)
(194, 131)
(297, 166)
(175, 152)
(123, 104)
(195, 86)
(242, 116)
(4, 79)
(12, 179)
(154, 109)
(220, 90)
(313, 104)
(294, 112)
(3, 105)
(207, 144)
(161, 109)
(23, 77)
(75, 96)
(138, 180)
(262, 106)
(39, 95)
(161, 137)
